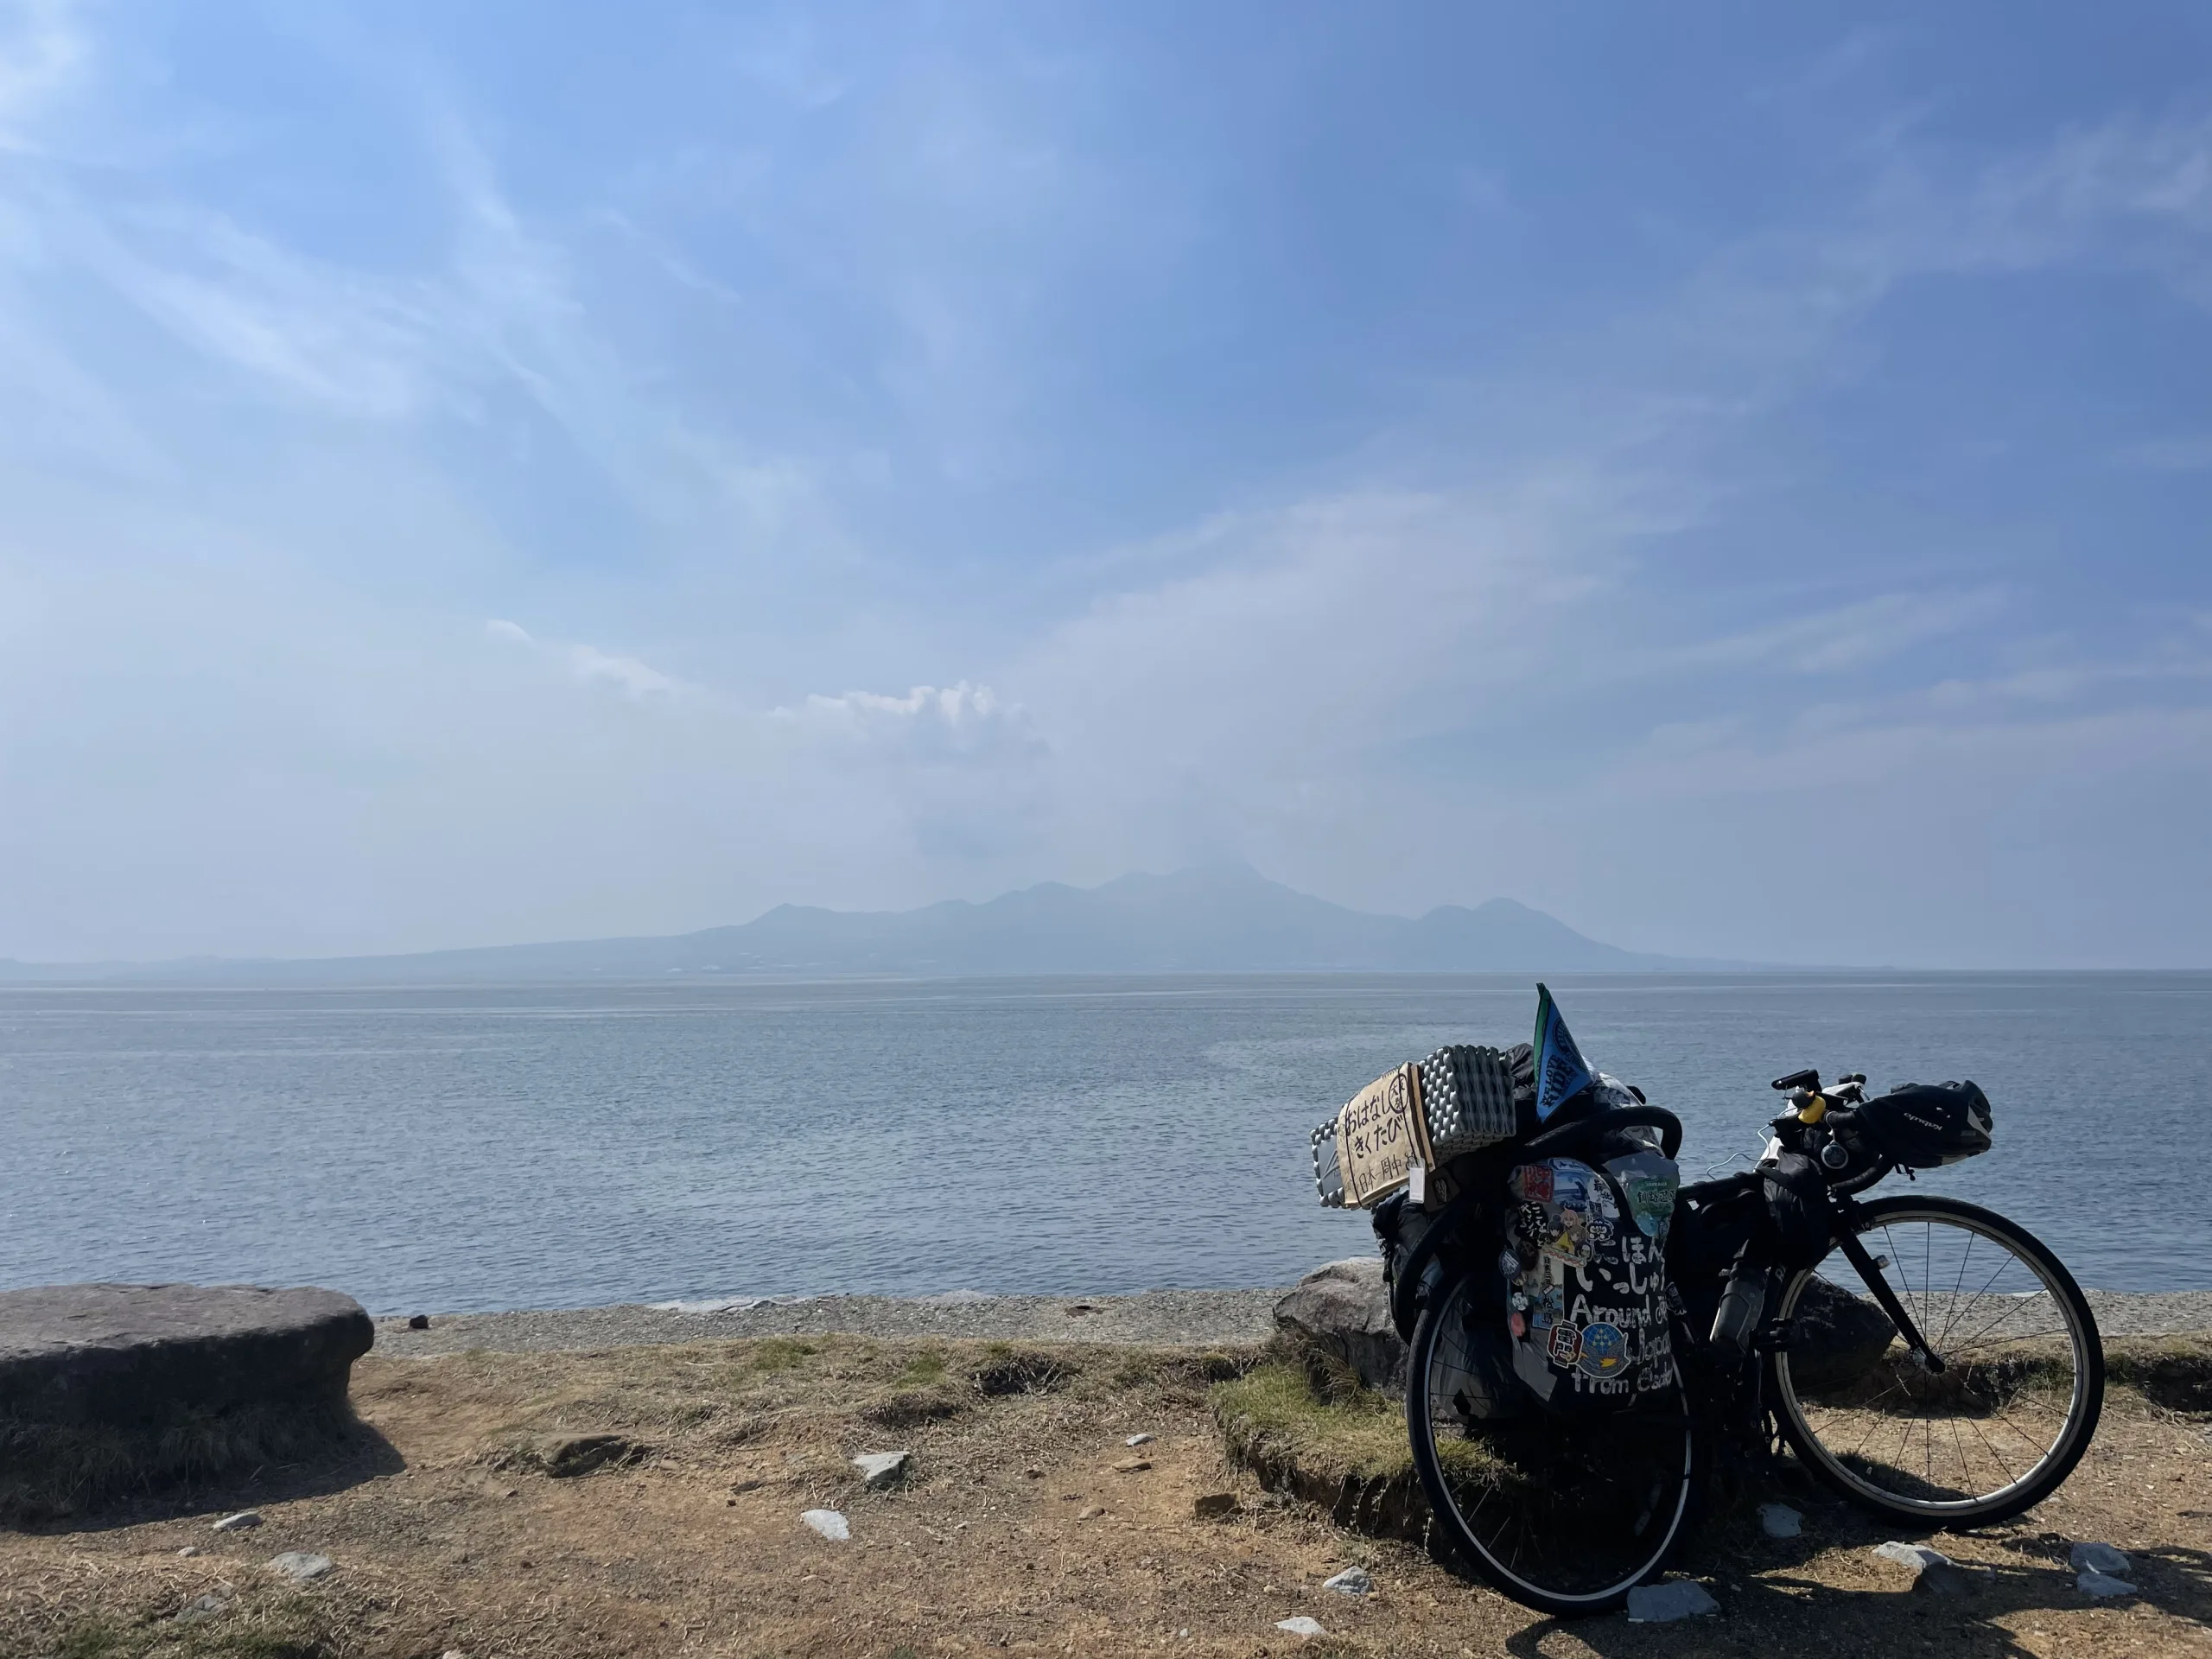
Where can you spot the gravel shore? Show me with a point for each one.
(1152, 1319)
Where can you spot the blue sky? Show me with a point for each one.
(1734, 477)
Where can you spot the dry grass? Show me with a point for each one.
(1026, 1526)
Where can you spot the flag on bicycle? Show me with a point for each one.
(1560, 1071)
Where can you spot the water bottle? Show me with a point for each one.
(1741, 1304)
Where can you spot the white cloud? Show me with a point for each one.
(587, 664)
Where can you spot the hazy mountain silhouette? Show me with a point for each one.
(1215, 918)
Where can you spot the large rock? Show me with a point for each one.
(1344, 1309)
(1835, 1337)
(126, 1355)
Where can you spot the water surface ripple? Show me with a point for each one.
(554, 1146)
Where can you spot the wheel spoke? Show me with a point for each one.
(1988, 1427)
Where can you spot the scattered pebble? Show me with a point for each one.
(239, 1522)
(1780, 1521)
(1138, 1440)
(453, 1653)
(881, 1469)
(1919, 1557)
(299, 1566)
(1301, 1625)
(2093, 1583)
(1131, 1465)
(1215, 1506)
(1352, 1581)
(1090, 1514)
(2100, 1558)
(1663, 1603)
(188, 1551)
(1936, 1573)
(418, 1322)
(831, 1524)
(204, 1606)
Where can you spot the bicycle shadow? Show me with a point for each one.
(1768, 1598)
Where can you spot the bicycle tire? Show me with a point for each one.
(1451, 1527)
(2085, 1401)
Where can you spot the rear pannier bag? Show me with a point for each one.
(1585, 1264)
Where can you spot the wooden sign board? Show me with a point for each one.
(1380, 1137)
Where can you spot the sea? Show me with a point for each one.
(535, 1146)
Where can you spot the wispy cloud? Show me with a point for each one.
(587, 664)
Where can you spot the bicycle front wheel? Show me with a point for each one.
(1565, 1518)
(2022, 1378)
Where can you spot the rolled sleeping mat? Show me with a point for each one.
(1466, 1100)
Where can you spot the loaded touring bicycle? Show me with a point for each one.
(1595, 1347)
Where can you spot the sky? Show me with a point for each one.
(1736, 478)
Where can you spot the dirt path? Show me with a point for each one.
(1154, 1319)
(1029, 1525)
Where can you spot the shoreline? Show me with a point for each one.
(1152, 1319)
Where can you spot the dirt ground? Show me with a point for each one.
(1028, 1525)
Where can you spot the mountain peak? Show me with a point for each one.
(1221, 916)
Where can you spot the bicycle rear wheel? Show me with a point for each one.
(2012, 1409)
(1563, 1516)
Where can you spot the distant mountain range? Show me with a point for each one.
(1216, 918)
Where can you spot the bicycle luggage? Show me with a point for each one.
(1585, 1263)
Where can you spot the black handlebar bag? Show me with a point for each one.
(1585, 1261)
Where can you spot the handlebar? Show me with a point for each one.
(1669, 1128)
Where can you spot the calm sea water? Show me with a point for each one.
(544, 1145)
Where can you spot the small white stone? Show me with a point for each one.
(881, 1469)
(1352, 1581)
(239, 1522)
(1663, 1603)
(188, 1551)
(1138, 1440)
(2102, 1584)
(299, 1566)
(2100, 1558)
(1301, 1625)
(1919, 1557)
(831, 1524)
(1780, 1521)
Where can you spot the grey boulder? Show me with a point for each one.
(1835, 1337)
(1344, 1309)
(120, 1354)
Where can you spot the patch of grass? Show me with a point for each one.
(1273, 1414)
(291, 1628)
(772, 1354)
(922, 1370)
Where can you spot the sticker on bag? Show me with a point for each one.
(1604, 1350)
(1566, 1345)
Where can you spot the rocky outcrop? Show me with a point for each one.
(131, 1354)
(1344, 1310)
